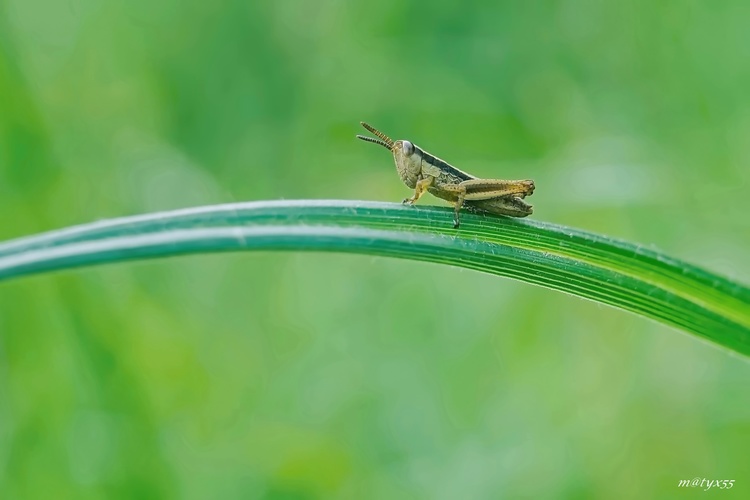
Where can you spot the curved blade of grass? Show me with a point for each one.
(596, 267)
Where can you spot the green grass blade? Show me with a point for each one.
(595, 267)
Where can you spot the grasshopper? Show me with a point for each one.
(422, 172)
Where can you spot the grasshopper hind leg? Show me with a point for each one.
(490, 195)
(511, 206)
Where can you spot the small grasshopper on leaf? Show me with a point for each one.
(423, 172)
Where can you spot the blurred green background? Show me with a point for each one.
(321, 375)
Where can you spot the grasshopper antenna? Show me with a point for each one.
(386, 141)
(374, 141)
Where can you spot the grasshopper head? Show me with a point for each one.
(408, 164)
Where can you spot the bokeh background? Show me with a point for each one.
(321, 375)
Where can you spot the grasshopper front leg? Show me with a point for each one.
(419, 189)
(486, 189)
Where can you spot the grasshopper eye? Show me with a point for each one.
(408, 148)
